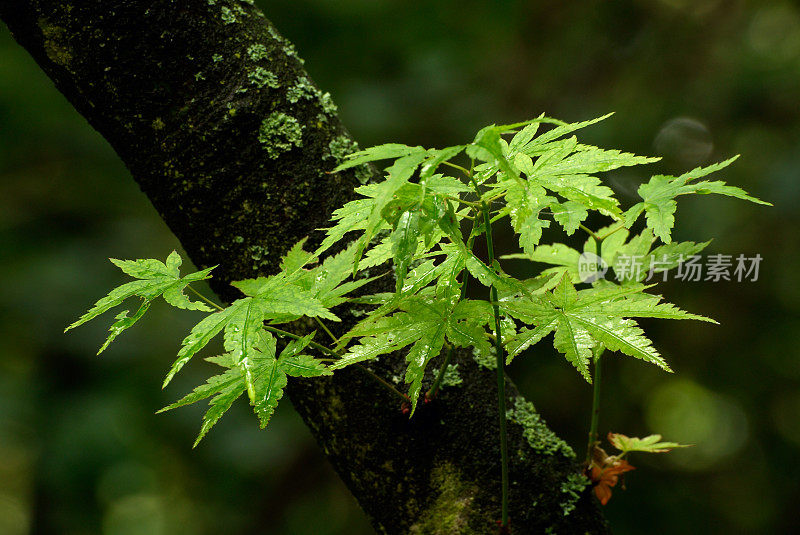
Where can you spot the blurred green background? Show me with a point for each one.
(694, 81)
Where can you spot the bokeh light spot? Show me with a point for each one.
(14, 519)
(140, 514)
(774, 33)
(684, 139)
(786, 416)
(684, 411)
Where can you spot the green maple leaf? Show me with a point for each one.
(252, 367)
(325, 282)
(123, 322)
(382, 193)
(296, 258)
(528, 144)
(419, 279)
(444, 185)
(649, 444)
(618, 252)
(269, 299)
(568, 168)
(349, 218)
(296, 364)
(245, 338)
(279, 298)
(269, 382)
(524, 204)
(413, 214)
(387, 151)
(283, 298)
(569, 214)
(584, 320)
(223, 389)
(658, 197)
(201, 334)
(154, 279)
(424, 323)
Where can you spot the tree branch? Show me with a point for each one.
(217, 120)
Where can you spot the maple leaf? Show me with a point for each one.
(658, 197)
(424, 323)
(154, 279)
(584, 320)
(649, 444)
(259, 377)
(568, 168)
(413, 214)
(420, 322)
(607, 476)
(524, 205)
(252, 367)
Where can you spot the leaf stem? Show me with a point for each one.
(501, 377)
(620, 226)
(456, 166)
(595, 407)
(383, 382)
(204, 298)
(329, 351)
(431, 394)
(590, 232)
(315, 345)
(462, 201)
(328, 331)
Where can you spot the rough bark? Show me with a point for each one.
(214, 115)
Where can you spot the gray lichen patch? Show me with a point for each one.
(227, 15)
(451, 376)
(487, 360)
(449, 512)
(339, 147)
(280, 133)
(571, 489)
(257, 52)
(258, 254)
(261, 77)
(328, 106)
(54, 46)
(302, 90)
(535, 431)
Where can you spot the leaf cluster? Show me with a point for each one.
(424, 217)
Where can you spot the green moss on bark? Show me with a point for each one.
(449, 511)
(536, 432)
